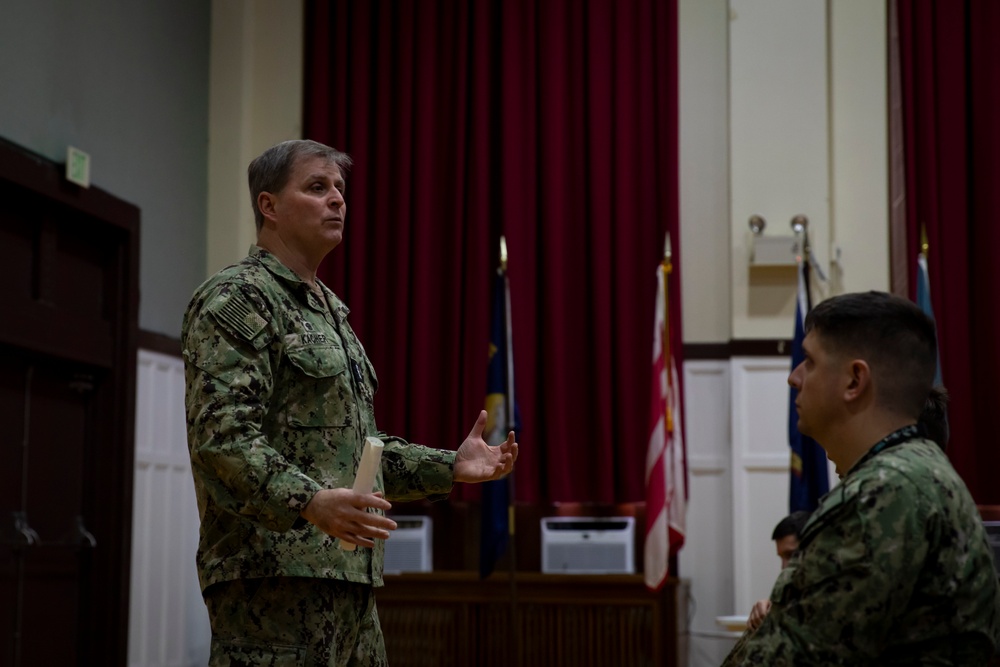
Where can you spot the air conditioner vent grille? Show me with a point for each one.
(584, 545)
(410, 547)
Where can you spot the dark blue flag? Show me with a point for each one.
(501, 419)
(809, 478)
(924, 301)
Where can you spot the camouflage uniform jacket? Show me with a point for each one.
(279, 398)
(893, 568)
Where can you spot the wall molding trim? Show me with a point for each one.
(155, 342)
(739, 347)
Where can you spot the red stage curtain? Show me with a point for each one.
(950, 67)
(554, 123)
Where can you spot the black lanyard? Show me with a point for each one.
(896, 437)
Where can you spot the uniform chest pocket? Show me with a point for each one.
(321, 394)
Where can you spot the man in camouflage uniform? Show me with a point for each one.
(786, 542)
(893, 567)
(279, 396)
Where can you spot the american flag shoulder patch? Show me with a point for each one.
(240, 315)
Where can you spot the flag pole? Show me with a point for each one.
(924, 293)
(509, 408)
(808, 477)
(803, 258)
(666, 488)
(666, 267)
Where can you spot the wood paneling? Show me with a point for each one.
(454, 618)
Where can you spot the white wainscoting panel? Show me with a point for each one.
(760, 472)
(168, 623)
(707, 557)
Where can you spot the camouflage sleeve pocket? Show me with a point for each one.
(323, 395)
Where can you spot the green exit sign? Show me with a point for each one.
(77, 167)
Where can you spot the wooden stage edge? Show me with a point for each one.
(447, 618)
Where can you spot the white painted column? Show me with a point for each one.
(255, 101)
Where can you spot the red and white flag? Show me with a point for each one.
(666, 490)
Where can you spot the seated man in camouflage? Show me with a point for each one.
(893, 567)
(786, 541)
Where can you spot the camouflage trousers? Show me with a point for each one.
(294, 622)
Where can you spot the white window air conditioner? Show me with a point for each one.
(410, 547)
(993, 535)
(588, 545)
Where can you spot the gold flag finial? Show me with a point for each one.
(923, 239)
(503, 253)
(668, 254)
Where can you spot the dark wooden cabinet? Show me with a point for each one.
(455, 619)
(68, 332)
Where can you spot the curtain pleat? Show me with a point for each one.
(950, 72)
(553, 123)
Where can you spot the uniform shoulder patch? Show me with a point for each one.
(239, 314)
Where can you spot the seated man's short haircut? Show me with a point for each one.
(891, 334)
(791, 525)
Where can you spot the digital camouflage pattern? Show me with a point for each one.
(294, 623)
(893, 568)
(279, 397)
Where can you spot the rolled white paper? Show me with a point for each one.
(364, 481)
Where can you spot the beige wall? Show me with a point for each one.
(703, 56)
(255, 101)
(755, 140)
(859, 137)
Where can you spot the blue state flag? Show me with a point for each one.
(809, 477)
(501, 419)
(924, 301)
